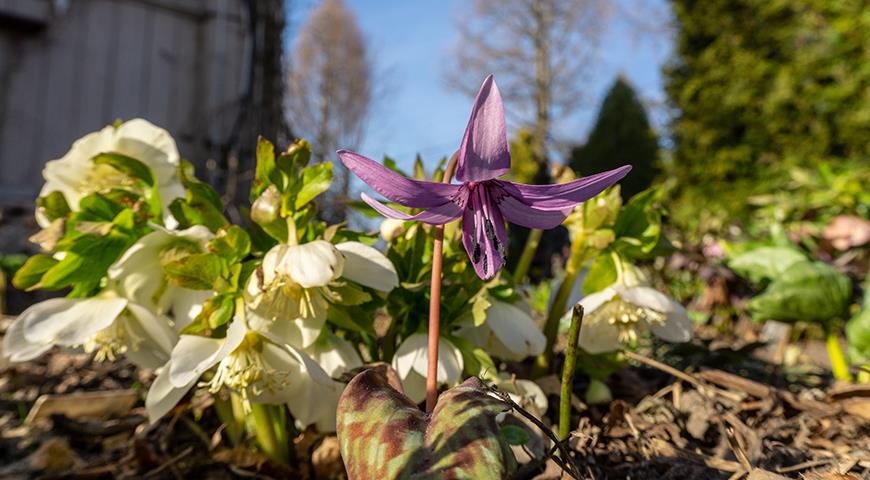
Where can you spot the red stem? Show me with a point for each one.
(435, 302)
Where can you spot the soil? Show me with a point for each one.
(717, 409)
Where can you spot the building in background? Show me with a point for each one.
(209, 71)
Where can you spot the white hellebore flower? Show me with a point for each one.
(107, 324)
(614, 315)
(411, 364)
(290, 295)
(524, 393)
(139, 275)
(252, 364)
(391, 228)
(508, 332)
(334, 354)
(76, 176)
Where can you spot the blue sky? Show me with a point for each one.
(420, 113)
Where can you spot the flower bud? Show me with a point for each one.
(266, 208)
(392, 228)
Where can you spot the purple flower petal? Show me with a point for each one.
(483, 233)
(484, 153)
(402, 190)
(563, 196)
(435, 215)
(521, 214)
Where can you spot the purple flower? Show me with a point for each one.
(483, 201)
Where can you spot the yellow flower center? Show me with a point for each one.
(626, 317)
(245, 372)
(109, 342)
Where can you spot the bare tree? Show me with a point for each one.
(539, 51)
(330, 89)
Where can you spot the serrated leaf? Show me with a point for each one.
(32, 271)
(129, 166)
(265, 168)
(601, 274)
(316, 179)
(478, 309)
(86, 261)
(199, 271)
(53, 205)
(232, 243)
(201, 206)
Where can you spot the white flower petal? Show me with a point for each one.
(367, 266)
(516, 335)
(17, 348)
(646, 297)
(595, 300)
(412, 354)
(597, 335)
(312, 264)
(676, 326)
(334, 354)
(150, 337)
(70, 321)
(186, 305)
(163, 396)
(193, 354)
(414, 386)
(522, 391)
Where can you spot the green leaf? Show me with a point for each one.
(53, 205)
(297, 156)
(765, 263)
(202, 205)
(350, 294)
(601, 274)
(96, 207)
(264, 169)
(32, 271)
(232, 243)
(86, 261)
(515, 435)
(478, 308)
(809, 291)
(316, 179)
(858, 335)
(638, 226)
(341, 318)
(199, 271)
(128, 166)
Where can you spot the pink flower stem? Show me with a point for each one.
(435, 302)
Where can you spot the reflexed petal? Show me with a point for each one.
(334, 354)
(676, 327)
(562, 196)
(646, 297)
(437, 215)
(70, 321)
(163, 396)
(483, 234)
(367, 266)
(17, 348)
(395, 187)
(484, 153)
(597, 335)
(150, 337)
(193, 354)
(312, 264)
(521, 214)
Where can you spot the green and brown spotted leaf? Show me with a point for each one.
(382, 434)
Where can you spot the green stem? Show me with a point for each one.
(224, 409)
(568, 373)
(839, 365)
(264, 427)
(551, 327)
(531, 246)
